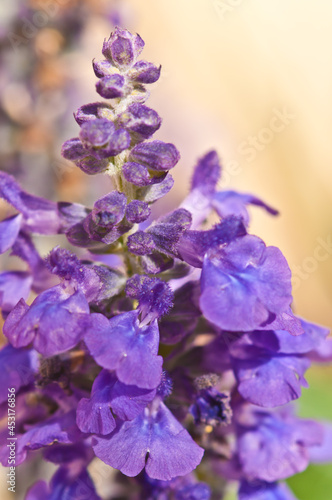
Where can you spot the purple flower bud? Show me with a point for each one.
(165, 387)
(155, 297)
(89, 112)
(140, 176)
(140, 120)
(156, 263)
(102, 139)
(92, 166)
(136, 174)
(145, 72)
(103, 68)
(109, 210)
(167, 232)
(74, 150)
(157, 155)
(141, 243)
(111, 86)
(137, 211)
(119, 142)
(122, 48)
(96, 133)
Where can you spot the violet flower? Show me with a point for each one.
(178, 354)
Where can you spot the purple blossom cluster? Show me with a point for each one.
(183, 353)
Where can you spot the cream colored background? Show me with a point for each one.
(222, 77)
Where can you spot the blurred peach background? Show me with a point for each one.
(228, 69)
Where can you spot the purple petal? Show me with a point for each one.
(245, 284)
(232, 203)
(14, 285)
(169, 449)
(9, 229)
(322, 453)
(38, 491)
(94, 415)
(313, 336)
(18, 369)
(275, 447)
(284, 321)
(157, 191)
(195, 244)
(66, 484)
(62, 429)
(25, 250)
(206, 174)
(39, 215)
(140, 120)
(259, 490)
(266, 379)
(55, 321)
(126, 401)
(156, 155)
(120, 344)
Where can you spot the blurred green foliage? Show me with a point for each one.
(315, 483)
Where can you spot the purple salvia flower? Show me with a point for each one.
(260, 490)
(122, 48)
(275, 446)
(126, 401)
(244, 283)
(55, 321)
(154, 440)
(123, 345)
(91, 370)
